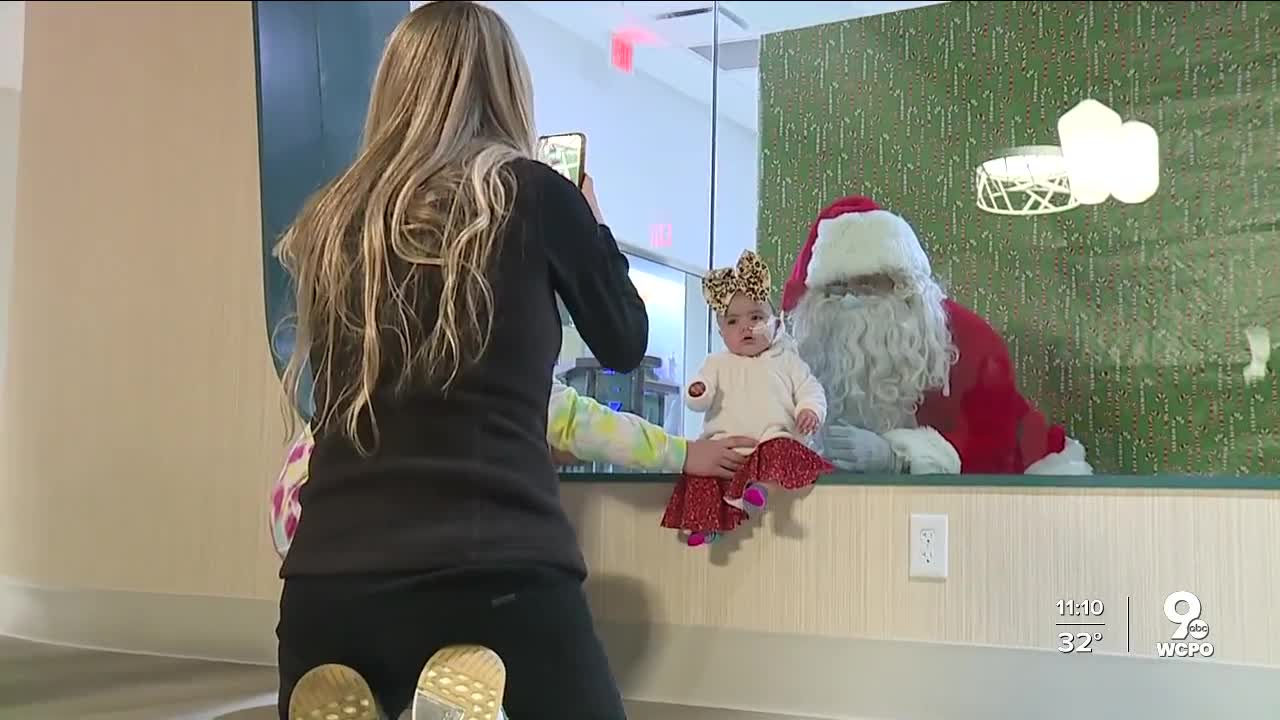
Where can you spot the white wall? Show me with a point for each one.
(649, 152)
(648, 145)
(10, 101)
(12, 17)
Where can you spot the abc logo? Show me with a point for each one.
(1187, 640)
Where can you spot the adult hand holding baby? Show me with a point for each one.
(710, 458)
(716, 458)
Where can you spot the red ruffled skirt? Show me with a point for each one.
(697, 503)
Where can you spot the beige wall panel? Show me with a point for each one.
(835, 563)
(142, 420)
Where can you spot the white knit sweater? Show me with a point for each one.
(758, 397)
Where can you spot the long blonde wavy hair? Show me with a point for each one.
(418, 215)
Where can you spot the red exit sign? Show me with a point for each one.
(621, 52)
(660, 235)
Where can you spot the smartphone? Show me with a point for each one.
(566, 153)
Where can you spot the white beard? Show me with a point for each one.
(876, 356)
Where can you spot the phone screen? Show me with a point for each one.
(564, 153)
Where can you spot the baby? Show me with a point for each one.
(759, 388)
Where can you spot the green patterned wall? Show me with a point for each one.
(1126, 321)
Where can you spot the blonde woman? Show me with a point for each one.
(426, 276)
(578, 429)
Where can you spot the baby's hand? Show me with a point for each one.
(697, 389)
(807, 422)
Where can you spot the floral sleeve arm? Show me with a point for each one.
(593, 432)
(285, 508)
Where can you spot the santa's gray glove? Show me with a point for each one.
(854, 449)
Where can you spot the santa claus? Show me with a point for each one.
(915, 381)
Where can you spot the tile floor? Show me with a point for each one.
(47, 682)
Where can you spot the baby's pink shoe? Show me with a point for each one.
(699, 539)
(754, 498)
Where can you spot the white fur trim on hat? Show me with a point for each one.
(864, 243)
(925, 450)
(1070, 461)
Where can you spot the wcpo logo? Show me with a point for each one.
(1189, 638)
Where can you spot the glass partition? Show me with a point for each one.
(621, 74)
(677, 322)
(644, 104)
(1124, 250)
(1090, 195)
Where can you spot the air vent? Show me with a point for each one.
(737, 55)
(694, 12)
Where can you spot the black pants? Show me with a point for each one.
(386, 627)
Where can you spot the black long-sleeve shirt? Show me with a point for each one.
(464, 479)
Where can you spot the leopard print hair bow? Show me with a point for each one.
(749, 277)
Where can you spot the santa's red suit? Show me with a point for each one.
(981, 423)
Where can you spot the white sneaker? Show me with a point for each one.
(461, 682)
(332, 692)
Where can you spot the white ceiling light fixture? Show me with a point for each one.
(1107, 157)
(1136, 163)
(1087, 133)
(1031, 180)
(1101, 157)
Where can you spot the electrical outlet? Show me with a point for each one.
(929, 548)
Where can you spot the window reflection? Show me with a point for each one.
(1137, 313)
(646, 121)
(653, 391)
(1130, 321)
(623, 76)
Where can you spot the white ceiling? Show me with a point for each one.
(597, 20)
(760, 18)
(671, 30)
(12, 29)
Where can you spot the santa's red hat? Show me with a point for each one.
(853, 236)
